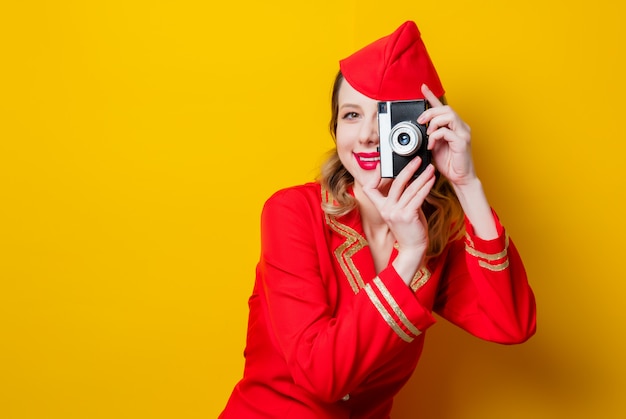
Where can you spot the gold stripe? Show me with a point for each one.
(354, 243)
(485, 256)
(385, 314)
(488, 256)
(421, 277)
(339, 252)
(395, 307)
(494, 268)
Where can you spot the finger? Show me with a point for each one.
(411, 209)
(384, 185)
(402, 180)
(452, 138)
(443, 120)
(377, 190)
(372, 190)
(430, 97)
(415, 204)
(431, 113)
(417, 185)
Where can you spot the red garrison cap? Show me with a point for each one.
(393, 67)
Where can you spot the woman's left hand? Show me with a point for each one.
(449, 139)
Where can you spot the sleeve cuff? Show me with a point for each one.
(491, 254)
(398, 306)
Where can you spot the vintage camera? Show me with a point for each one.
(401, 137)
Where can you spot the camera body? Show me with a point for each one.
(401, 137)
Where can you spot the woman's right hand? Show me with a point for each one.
(401, 209)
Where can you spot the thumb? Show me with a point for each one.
(373, 190)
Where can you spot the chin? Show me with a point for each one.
(364, 176)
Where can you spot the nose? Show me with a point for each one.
(368, 134)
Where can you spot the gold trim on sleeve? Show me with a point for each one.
(495, 262)
(488, 256)
(385, 314)
(421, 277)
(395, 307)
(494, 268)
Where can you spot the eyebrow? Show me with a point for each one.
(349, 105)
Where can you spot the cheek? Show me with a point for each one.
(343, 148)
(344, 137)
(344, 152)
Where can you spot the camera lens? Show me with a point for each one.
(405, 138)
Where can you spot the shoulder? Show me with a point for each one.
(308, 193)
(297, 200)
(293, 214)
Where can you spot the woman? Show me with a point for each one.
(353, 266)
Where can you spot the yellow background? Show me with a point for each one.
(139, 140)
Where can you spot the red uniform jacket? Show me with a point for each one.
(329, 338)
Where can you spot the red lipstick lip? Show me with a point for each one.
(368, 155)
(367, 161)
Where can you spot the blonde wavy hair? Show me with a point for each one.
(442, 208)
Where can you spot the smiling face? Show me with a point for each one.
(357, 134)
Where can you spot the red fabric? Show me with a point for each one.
(323, 325)
(393, 67)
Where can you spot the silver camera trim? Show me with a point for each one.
(415, 138)
(384, 145)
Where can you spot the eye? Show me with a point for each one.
(350, 115)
